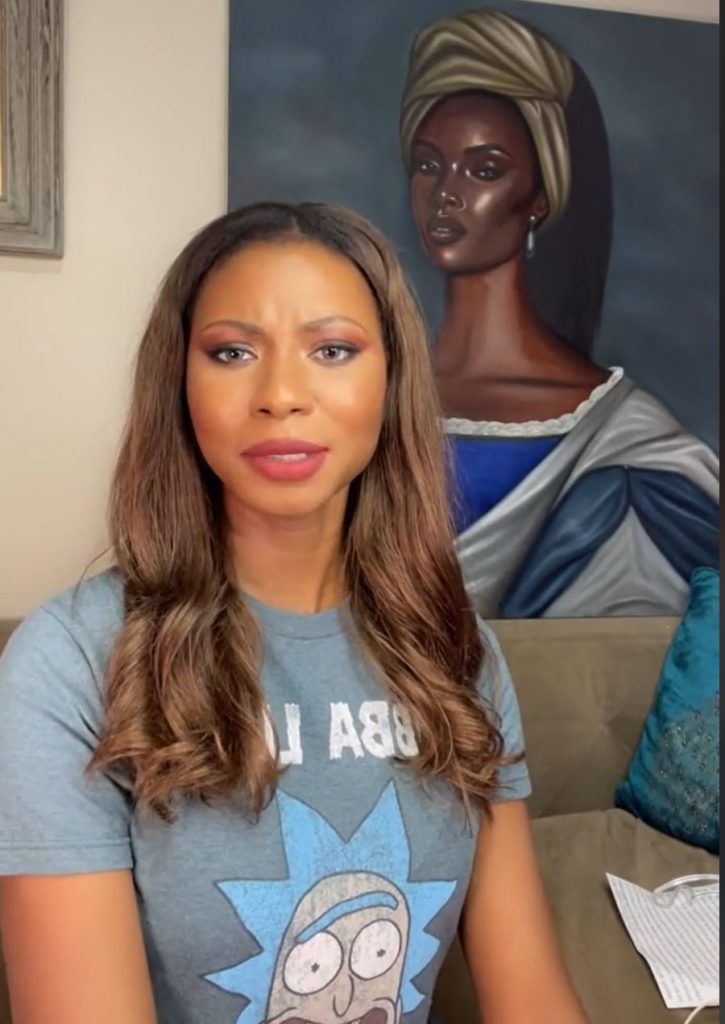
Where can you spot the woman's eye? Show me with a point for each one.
(424, 166)
(335, 353)
(487, 173)
(231, 354)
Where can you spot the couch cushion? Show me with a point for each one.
(612, 979)
(585, 687)
(575, 851)
(673, 781)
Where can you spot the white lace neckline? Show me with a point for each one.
(535, 428)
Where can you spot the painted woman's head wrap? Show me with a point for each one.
(492, 52)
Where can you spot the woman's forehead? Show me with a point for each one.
(301, 279)
(475, 119)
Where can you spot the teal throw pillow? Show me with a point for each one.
(673, 779)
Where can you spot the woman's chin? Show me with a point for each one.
(289, 503)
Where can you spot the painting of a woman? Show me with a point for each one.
(576, 493)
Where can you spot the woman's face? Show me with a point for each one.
(286, 379)
(474, 183)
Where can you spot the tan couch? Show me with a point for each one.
(585, 687)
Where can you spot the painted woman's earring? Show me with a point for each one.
(531, 238)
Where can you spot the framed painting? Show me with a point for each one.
(548, 176)
(31, 195)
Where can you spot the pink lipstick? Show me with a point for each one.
(286, 460)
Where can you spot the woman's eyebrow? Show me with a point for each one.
(311, 325)
(241, 325)
(323, 321)
(428, 145)
(488, 147)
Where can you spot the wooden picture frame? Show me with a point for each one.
(31, 198)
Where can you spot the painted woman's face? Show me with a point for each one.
(474, 183)
(286, 379)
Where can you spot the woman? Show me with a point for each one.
(243, 772)
(576, 492)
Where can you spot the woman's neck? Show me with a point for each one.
(490, 327)
(495, 359)
(292, 564)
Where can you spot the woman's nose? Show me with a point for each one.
(447, 196)
(282, 390)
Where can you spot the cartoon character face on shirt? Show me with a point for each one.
(342, 956)
(342, 934)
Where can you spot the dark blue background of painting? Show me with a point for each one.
(315, 88)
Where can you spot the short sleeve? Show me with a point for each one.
(54, 818)
(497, 691)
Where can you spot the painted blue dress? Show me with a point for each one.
(486, 469)
(607, 510)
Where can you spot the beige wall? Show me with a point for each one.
(145, 129)
(145, 162)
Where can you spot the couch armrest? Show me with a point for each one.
(585, 687)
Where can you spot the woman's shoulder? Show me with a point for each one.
(91, 608)
(644, 432)
(498, 693)
(487, 633)
(494, 678)
(75, 628)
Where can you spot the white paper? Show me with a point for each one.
(679, 939)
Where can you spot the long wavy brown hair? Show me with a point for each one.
(184, 703)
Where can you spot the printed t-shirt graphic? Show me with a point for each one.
(343, 936)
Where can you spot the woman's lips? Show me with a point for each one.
(285, 460)
(445, 230)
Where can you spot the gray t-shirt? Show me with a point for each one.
(337, 905)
